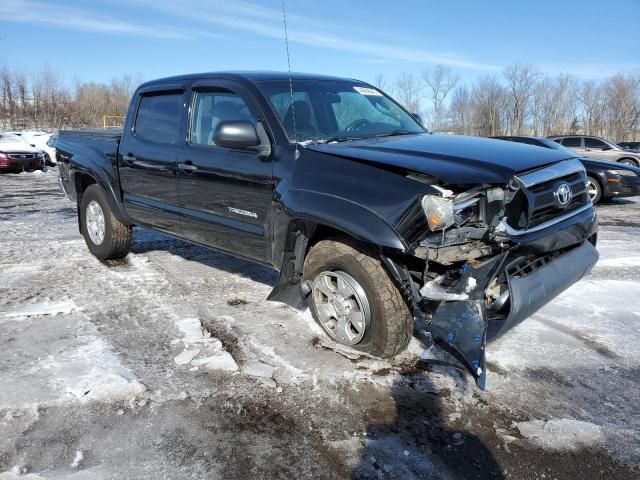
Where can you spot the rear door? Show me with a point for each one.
(147, 158)
(226, 193)
(575, 144)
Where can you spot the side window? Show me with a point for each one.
(572, 142)
(211, 108)
(158, 118)
(594, 143)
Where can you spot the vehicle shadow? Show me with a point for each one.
(145, 241)
(418, 443)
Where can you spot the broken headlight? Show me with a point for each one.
(444, 212)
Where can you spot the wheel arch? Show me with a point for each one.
(635, 161)
(83, 178)
(317, 217)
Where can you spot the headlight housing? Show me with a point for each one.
(39, 155)
(622, 173)
(443, 212)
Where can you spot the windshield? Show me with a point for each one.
(328, 110)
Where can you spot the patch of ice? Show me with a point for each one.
(221, 361)
(93, 372)
(193, 331)
(45, 308)
(78, 458)
(258, 369)
(561, 434)
(186, 356)
(619, 262)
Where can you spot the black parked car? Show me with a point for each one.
(630, 145)
(604, 179)
(368, 218)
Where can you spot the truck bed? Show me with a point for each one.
(96, 133)
(86, 151)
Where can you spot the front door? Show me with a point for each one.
(226, 193)
(596, 148)
(147, 160)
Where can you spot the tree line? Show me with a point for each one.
(521, 101)
(42, 100)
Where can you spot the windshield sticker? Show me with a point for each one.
(367, 91)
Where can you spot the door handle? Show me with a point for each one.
(129, 157)
(187, 166)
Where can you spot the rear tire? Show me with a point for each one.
(594, 189)
(106, 237)
(389, 324)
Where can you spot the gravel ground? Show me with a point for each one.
(171, 364)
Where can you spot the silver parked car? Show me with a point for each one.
(598, 148)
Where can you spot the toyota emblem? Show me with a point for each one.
(563, 194)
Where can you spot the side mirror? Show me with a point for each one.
(239, 135)
(605, 148)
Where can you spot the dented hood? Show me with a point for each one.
(453, 159)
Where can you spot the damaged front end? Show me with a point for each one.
(492, 256)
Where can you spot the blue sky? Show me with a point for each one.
(99, 40)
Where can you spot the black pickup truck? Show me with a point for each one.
(369, 219)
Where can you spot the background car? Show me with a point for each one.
(16, 154)
(40, 141)
(604, 180)
(599, 148)
(630, 145)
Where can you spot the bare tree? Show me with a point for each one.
(622, 107)
(489, 107)
(461, 111)
(408, 92)
(439, 83)
(381, 82)
(520, 82)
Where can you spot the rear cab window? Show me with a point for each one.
(158, 117)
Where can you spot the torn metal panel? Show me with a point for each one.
(460, 327)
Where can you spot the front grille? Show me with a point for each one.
(21, 156)
(538, 199)
(528, 265)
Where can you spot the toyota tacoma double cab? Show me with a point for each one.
(369, 219)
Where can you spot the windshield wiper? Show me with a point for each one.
(341, 138)
(395, 132)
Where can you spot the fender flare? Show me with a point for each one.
(345, 215)
(102, 178)
(304, 207)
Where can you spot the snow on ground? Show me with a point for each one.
(171, 364)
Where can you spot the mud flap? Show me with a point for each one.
(460, 328)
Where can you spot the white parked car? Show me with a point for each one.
(39, 140)
(16, 154)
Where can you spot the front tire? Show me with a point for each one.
(354, 300)
(594, 190)
(106, 237)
